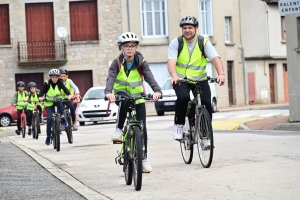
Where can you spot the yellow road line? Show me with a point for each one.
(231, 124)
(2, 129)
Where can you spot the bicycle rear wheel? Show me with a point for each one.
(33, 130)
(137, 158)
(23, 126)
(205, 142)
(38, 125)
(53, 133)
(186, 144)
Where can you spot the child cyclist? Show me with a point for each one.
(19, 100)
(70, 85)
(126, 73)
(33, 99)
(51, 89)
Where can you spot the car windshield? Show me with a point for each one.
(94, 94)
(167, 85)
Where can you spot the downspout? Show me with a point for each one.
(268, 39)
(243, 59)
(128, 16)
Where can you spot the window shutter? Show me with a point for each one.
(4, 25)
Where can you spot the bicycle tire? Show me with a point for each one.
(57, 134)
(53, 132)
(137, 158)
(23, 126)
(38, 126)
(205, 142)
(127, 167)
(186, 144)
(33, 130)
(69, 128)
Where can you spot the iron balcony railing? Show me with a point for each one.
(42, 51)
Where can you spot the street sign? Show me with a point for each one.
(289, 6)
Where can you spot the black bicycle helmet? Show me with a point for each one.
(64, 71)
(54, 72)
(189, 20)
(31, 84)
(20, 84)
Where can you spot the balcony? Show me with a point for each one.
(30, 53)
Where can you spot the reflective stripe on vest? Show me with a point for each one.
(52, 94)
(190, 66)
(34, 100)
(132, 84)
(21, 96)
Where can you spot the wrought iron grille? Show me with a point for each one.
(42, 51)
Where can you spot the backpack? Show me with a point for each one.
(200, 44)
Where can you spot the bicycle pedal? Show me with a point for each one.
(117, 142)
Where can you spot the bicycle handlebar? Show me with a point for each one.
(58, 99)
(210, 80)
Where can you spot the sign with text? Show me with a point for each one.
(289, 6)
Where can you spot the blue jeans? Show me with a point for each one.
(50, 111)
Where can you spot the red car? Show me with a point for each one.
(8, 115)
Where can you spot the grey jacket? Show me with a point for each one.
(139, 62)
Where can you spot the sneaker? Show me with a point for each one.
(177, 132)
(47, 142)
(146, 167)
(205, 144)
(17, 132)
(75, 127)
(117, 136)
(29, 131)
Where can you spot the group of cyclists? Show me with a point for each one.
(127, 73)
(59, 85)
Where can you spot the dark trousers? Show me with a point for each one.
(72, 109)
(28, 118)
(50, 111)
(182, 91)
(140, 115)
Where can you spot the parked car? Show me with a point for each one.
(93, 107)
(8, 115)
(167, 103)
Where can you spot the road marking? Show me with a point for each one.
(3, 129)
(269, 115)
(243, 116)
(219, 116)
(231, 124)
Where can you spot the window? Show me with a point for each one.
(205, 17)
(83, 20)
(4, 25)
(228, 30)
(283, 28)
(154, 18)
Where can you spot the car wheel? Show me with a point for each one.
(214, 105)
(160, 113)
(81, 123)
(5, 120)
(95, 122)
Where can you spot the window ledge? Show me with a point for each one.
(84, 42)
(283, 41)
(6, 46)
(229, 44)
(297, 49)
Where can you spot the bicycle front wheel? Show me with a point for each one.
(57, 134)
(69, 128)
(137, 158)
(127, 162)
(186, 144)
(33, 124)
(23, 126)
(205, 138)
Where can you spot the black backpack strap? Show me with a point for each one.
(180, 44)
(200, 44)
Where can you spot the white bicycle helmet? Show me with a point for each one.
(54, 72)
(189, 20)
(127, 37)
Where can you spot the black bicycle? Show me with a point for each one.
(68, 117)
(131, 152)
(36, 124)
(198, 128)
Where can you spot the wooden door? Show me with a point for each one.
(251, 88)
(83, 80)
(285, 83)
(230, 86)
(272, 88)
(40, 31)
(38, 78)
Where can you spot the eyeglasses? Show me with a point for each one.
(54, 76)
(129, 47)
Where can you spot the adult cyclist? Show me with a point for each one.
(70, 85)
(191, 64)
(126, 73)
(51, 89)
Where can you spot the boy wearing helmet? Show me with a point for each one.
(190, 63)
(51, 89)
(19, 100)
(130, 67)
(70, 85)
(33, 99)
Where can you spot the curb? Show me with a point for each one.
(7, 133)
(227, 109)
(287, 126)
(60, 174)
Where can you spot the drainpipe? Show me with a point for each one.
(128, 16)
(267, 16)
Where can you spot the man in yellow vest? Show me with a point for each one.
(19, 101)
(191, 63)
(51, 90)
(126, 73)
